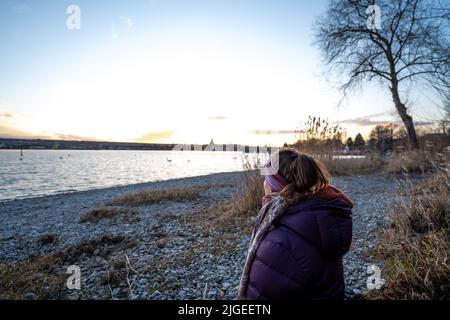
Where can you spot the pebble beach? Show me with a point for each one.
(161, 254)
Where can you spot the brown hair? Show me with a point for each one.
(303, 174)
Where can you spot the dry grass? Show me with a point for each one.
(352, 166)
(108, 213)
(146, 197)
(34, 278)
(44, 277)
(251, 191)
(416, 246)
(412, 162)
(116, 273)
(47, 239)
(101, 246)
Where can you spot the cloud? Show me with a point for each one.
(12, 133)
(22, 9)
(9, 132)
(154, 137)
(128, 21)
(217, 118)
(71, 137)
(272, 132)
(6, 115)
(368, 121)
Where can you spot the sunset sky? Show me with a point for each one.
(177, 71)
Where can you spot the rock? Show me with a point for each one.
(155, 295)
(73, 296)
(30, 296)
(97, 252)
(211, 293)
(226, 285)
(116, 292)
(215, 279)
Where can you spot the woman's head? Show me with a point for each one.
(298, 174)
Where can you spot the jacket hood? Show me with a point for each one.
(324, 220)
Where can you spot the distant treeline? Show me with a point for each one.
(103, 145)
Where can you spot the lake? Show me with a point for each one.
(45, 172)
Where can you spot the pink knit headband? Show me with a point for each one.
(276, 182)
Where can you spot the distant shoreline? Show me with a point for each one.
(44, 144)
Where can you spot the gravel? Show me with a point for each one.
(166, 262)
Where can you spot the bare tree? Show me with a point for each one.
(444, 123)
(397, 42)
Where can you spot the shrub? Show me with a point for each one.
(415, 247)
(251, 191)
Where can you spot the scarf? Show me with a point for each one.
(271, 211)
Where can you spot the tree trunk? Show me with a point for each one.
(401, 108)
(406, 118)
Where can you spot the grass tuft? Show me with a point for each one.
(108, 213)
(146, 197)
(34, 278)
(248, 200)
(47, 239)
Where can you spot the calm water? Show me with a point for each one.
(43, 172)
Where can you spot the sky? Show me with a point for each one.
(173, 71)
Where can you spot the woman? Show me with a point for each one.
(301, 233)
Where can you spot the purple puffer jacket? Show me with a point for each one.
(301, 258)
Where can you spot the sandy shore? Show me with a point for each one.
(171, 258)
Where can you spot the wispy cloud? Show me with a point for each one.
(217, 118)
(159, 136)
(22, 9)
(13, 133)
(71, 137)
(272, 132)
(371, 120)
(6, 115)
